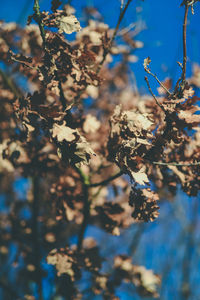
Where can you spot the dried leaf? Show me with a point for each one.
(146, 63)
(148, 280)
(92, 91)
(83, 151)
(145, 280)
(188, 93)
(55, 4)
(140, 177)
(145, 205)
(188, 115)
(62, 262)
(195, 79)
(63, 132)
(68, 24)
(91, 124)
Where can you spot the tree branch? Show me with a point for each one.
(105, 182)
(183, 66)
(156, 78)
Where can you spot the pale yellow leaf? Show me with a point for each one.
(140, 177)
(68, 24)
(91, 124)
(63, 132)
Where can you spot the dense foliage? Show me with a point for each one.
(94, 151)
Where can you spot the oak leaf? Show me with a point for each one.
(91, 124)
(68, 24)
(63, 132)
(148, 280)
(188, 115)
(62, 262)
(146, 63)
(140, 177)
(83, 151)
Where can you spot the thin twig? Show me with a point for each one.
(175, 164)
(127, 29)
(106, 181)
(107, 49)
(150, 90)
(160, 83)
(184, 43)
(183, 66)
(24, 64)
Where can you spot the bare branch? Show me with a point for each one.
(150, 90)
(156, 78)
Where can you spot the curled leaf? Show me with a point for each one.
(146, 63)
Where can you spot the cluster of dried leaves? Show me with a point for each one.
(75, 151)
